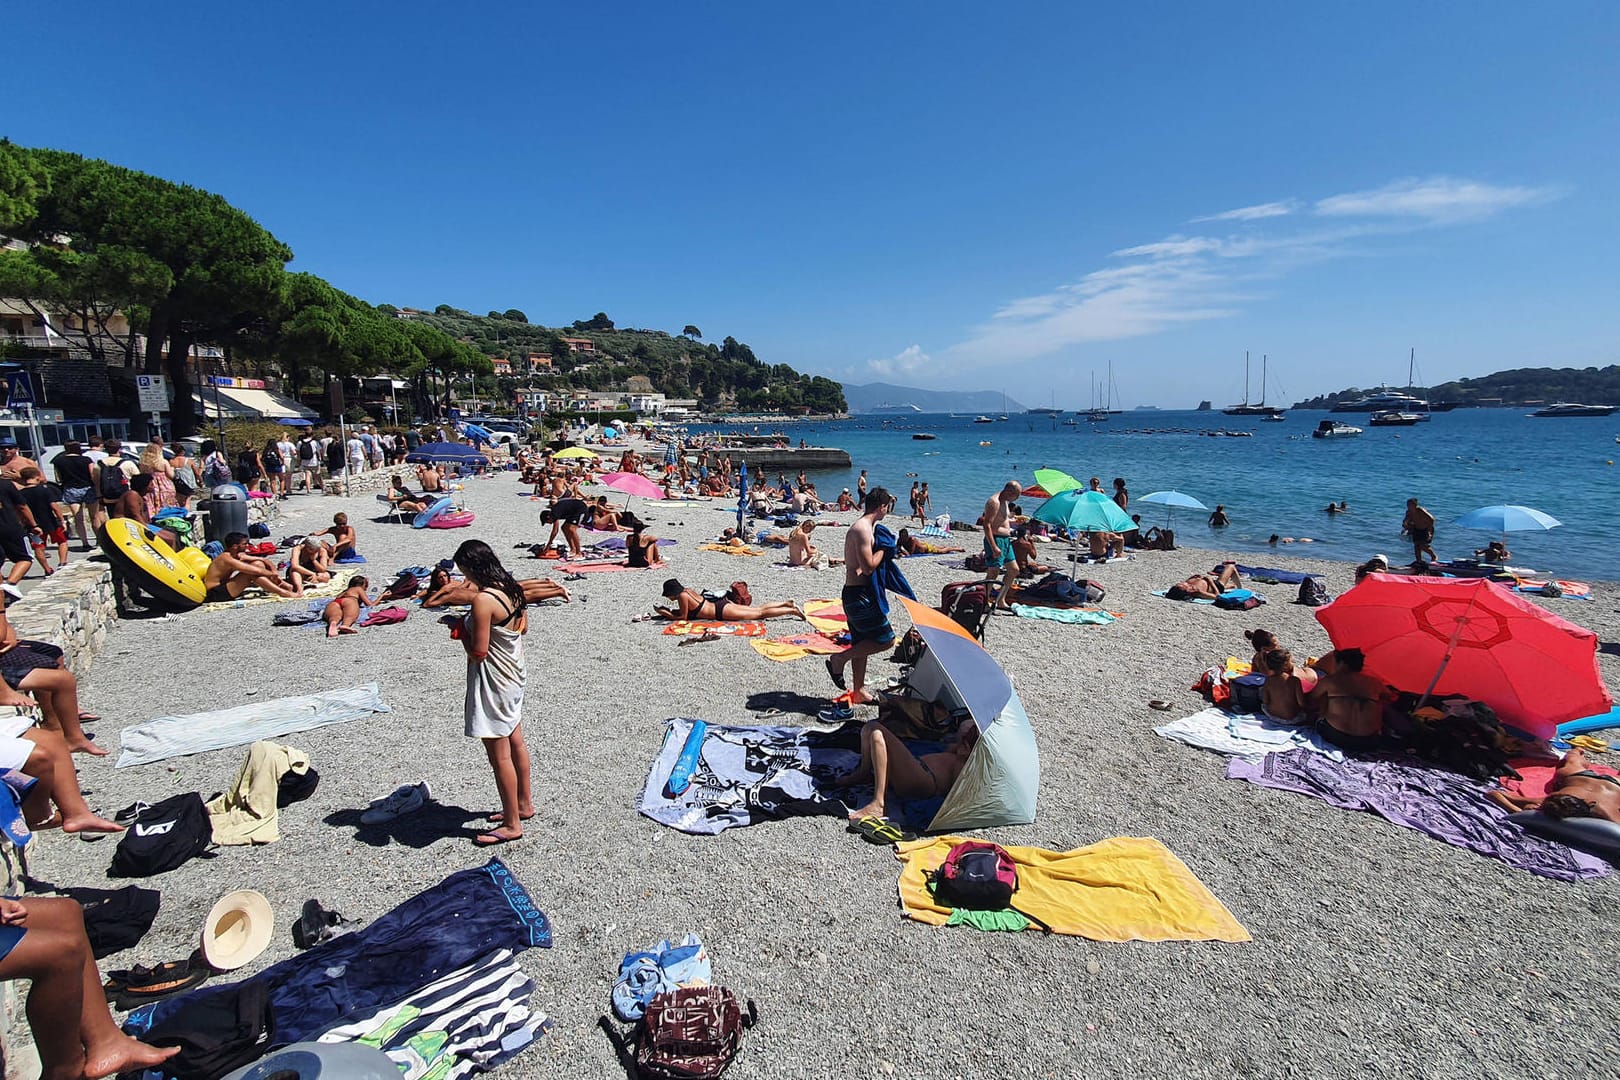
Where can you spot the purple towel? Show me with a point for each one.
(1445, 805)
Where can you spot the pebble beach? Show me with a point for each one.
(1376, 950)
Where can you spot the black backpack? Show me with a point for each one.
(217, 1031)
(1313, 593)
(306, 450)
(163, 836)
(112, 482)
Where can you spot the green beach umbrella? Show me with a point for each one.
(1056, 481)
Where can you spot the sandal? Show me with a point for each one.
(1162, 706)
(836, 674)
(315, 925)
(131, 988)
(876, 830)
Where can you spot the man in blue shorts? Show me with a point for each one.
(999, 560)
(869, 629)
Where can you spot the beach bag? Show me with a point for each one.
(967, 603)
(691, 1034)
(1238, 600)
(739, 594)
(163, 836)
(1246, 694)
(910, 649)
(112, 481)
(980, 876)
(215, 472)
(1313, 593)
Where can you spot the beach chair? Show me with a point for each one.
(394, 513)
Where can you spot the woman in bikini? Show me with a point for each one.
(445, 591)
(892, 769)
(1205, 586)
(1348, 704)
(1577, 790)
(492, 635)
(693, 605)
(641, 548)
(343, 610)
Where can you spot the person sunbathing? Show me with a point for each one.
(1495, 552)
(1348, 704)
(403, 498)
(1157, 539)
(641, 547)
(342, 534)
(1205, 586)
(446, 591)
(690, 604)
(604, 518)
(431, 479)
(1024, 554)
(233, 571)
(343, 611)
(1107, 545)
(801, 552)
(1576, 791)
(1283, 696)
(894, 771)
(907, 544)
(309, 563)
(44, 942)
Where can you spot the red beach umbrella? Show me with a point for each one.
(1474, 637)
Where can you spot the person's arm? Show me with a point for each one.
(476, 640)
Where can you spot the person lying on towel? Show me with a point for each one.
(690, 604)
(893, 770)
(443, 590)
(1576, 791)
(1205, 586)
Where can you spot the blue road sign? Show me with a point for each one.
(19, 389)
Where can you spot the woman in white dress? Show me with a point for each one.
(492, 633)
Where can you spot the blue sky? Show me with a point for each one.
(950, 195)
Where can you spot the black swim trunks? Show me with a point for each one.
(867, 621)
(219, 594)
(570, 511)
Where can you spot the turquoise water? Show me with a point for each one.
(1279, 480)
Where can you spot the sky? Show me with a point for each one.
(1007, 197)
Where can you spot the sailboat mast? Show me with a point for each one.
(1263, 378)
(1245, 376)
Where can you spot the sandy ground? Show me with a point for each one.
(1376, 952)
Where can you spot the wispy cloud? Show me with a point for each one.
(1258, 212)
(1163, 284)
(904, 362)
(1438, 199)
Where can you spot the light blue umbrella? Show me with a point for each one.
(1505, 519)
(1084, 511)
(1171, 500)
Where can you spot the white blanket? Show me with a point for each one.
(177, 736)
(1245, 736)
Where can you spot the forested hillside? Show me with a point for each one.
(1590, 386)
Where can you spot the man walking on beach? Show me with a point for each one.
(1419, 525)
(869, 629)
(998, 552)
(860, 488)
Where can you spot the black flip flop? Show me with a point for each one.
(140, 984)
(880, 831)
(836, 674)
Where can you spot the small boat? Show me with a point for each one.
(1072, 422)
(1394, 418)
(985, 442)
(1570, 408)
(1275, 418)
(1334, 429)
(1238, 434)
(923, 436)
(983, 420)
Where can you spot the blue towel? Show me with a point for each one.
(1265, 573)
(887, 578)
(351, 557)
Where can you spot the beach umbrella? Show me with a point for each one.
(1055, 482)
(477, 431)
(575, 452)
(1505, 519)
(453, 453)
(1035, 491)
(1001, 778)
(1171, 500)
(632, 484)
(1084, 511)
(295, 421)
(1474, 637)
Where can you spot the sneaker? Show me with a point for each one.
(11, 590)
(405, 799)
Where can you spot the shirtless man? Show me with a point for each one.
(892, 769)
(1419, 525)
(309, 564)
(1348, 703)
(869, 629)
(343, 610)
(1576, 791)
(233, 570)
(999, 560)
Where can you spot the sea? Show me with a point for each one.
(1278, 480)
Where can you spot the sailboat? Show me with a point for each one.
(1094, 414)
(1003, 415)
(1245, 409)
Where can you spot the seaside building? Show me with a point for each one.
(580, 345)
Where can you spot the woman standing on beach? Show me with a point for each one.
(162, 492)
(492, 633)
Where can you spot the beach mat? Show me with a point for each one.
(826, 616)
(1267, 574)
(709, 626)
(254, 597)
(729, 549)
(1444, 805)
(796, 647)
(747, 774)
(177, 736)
(1123, 889)
(1075, 616)
(595, 567)
(1244, 736)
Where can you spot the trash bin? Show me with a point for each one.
(225, 516)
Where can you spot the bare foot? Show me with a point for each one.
(331, 630)
(498, 836)
(871, 809)
(90, 823)
(124, 1054)
(798, 611)
(87, 747)
(348, 630)
(524, 813)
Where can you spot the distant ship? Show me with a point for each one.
(904, 406)
(1245, 409)
(1569, 408)
(1043, 412)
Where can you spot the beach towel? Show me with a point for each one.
(351, 557)
(1573, 590)
(796, 646)
(1247, 737)
(752, 773)
(827, 616)
(1268, 575)
(1443, 805)
(729, 549)
(594, 567)
(178, 736)
(709, 626)
(1123, 889)
(256, 596)
(1538, 776)
(1078, 616)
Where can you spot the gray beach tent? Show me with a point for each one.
(1002, 777)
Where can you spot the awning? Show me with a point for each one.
(235, 402)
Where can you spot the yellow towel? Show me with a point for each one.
(832, 622)
(254, 596)
(1124, 889)
(784, 649)
(728, 549)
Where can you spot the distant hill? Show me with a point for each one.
(865, 399)
(1520, 386)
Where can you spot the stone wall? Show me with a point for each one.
(71, 609)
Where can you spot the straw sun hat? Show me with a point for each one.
(237, 929)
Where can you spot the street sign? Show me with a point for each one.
(19, 389)
(153, 392)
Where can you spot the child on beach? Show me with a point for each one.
(1263, 641)
(1283, 696)
(343, 610)
(492, 635)
(342, 534)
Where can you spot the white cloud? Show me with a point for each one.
(1254, 213)
(903, 362)
(1437, 200)
(1172, 247)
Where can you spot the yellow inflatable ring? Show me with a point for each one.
(173, 579)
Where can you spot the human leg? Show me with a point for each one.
(893, 768)
(350, 616)
(538, 589)
(331, 615)
(57, 692)
(500, 753)
(1228, 576)
(52, 765)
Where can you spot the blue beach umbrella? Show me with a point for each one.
(457, 453)
(1084, 511)
(1505, 519)
(1171, 500)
